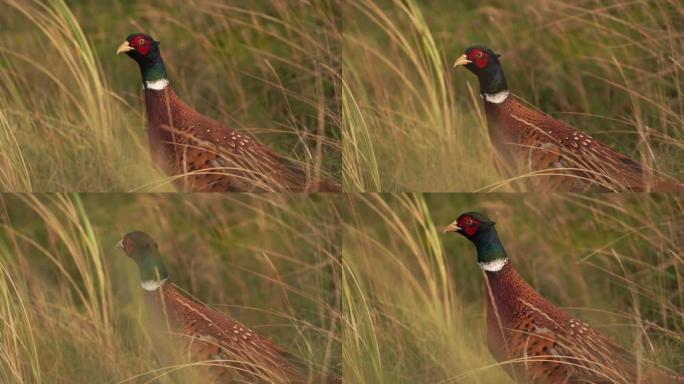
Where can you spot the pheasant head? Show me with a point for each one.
(140, 247)
(480, 230)
(145, 51)
(484, 63)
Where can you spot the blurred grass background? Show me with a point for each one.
(414, 298)
(71, 305)
(71, 111)
(412, 123)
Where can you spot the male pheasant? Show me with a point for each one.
(204, 154)
(555, 156)
(234, 352)
(542, 343)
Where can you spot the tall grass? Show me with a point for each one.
(414, 298)
(610, 68)
(71, 305)
(71, 111)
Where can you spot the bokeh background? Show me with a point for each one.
(413, 123)
(414, 297)
(71, 306)
(71, 111)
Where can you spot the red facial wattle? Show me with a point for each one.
(471, 230)
(128, 245)
(144, 49)
(141, 45)
(470, 226)
(479, 58)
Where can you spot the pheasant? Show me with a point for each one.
(201, 152)
(234, 352)
(556, 156)
(542, 343)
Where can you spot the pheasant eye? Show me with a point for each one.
(478, 54)
(469, 221)
(141, 41)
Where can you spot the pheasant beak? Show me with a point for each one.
(463, 60)
(119, 245)
(124, 47)
(453, 227)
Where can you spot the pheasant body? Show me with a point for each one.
(200, 153)
(550, 154)
(539, 342)
(214, 157)
(561, 157)
(550, 345)
(233, 352)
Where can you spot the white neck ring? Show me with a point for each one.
(494, 266)
(496, 98)
(157, 85)
(152, 285)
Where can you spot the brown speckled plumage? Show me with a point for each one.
(562, 158)
(535, 341)
(546, 153)
(214, 157)
(201, 154)
(546, 344)
(230, 351)
(233, 352)
(237, 352)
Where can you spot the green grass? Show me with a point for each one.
(611, 68)
(71, 304)
(414, 298)
(71, 111)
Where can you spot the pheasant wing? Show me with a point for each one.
(213, 157)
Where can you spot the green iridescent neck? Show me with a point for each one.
(152, 268)
(489, 247)
(492, 80)
(153, 70)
